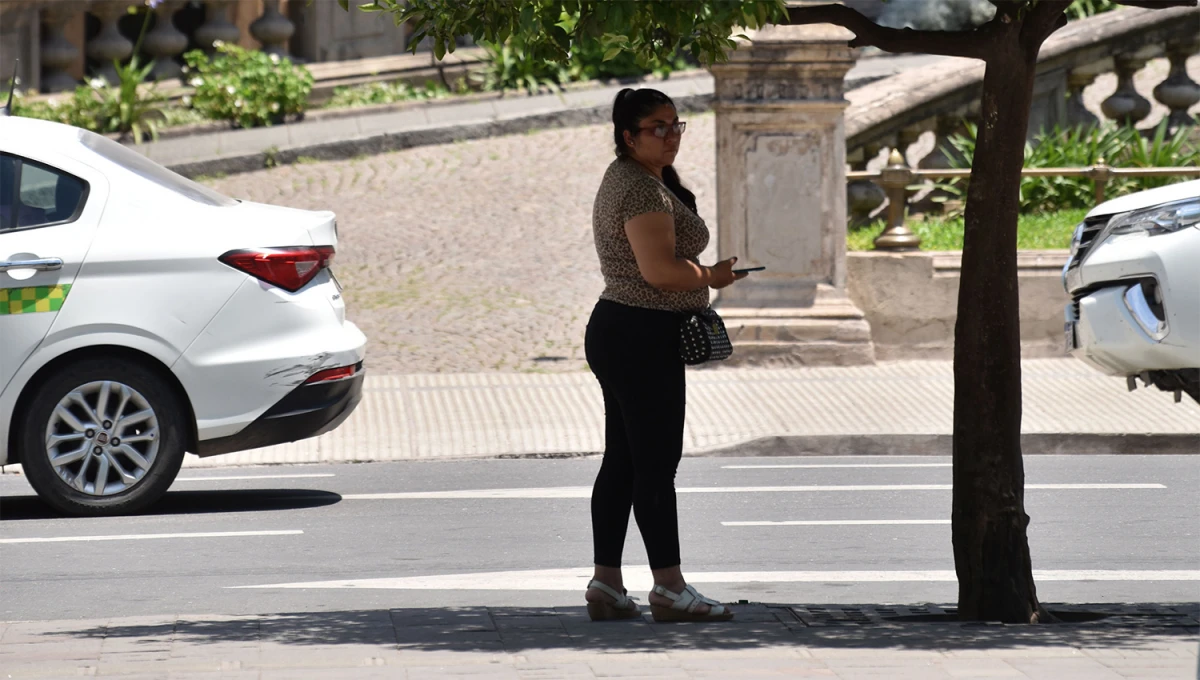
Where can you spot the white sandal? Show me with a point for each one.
(684, 604)
(622, 606)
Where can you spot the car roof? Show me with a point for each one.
(22, 135)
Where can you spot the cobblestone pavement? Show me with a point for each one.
(475, 256)
(478, 256)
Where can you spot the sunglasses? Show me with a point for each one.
(661, 131)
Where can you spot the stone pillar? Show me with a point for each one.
(20, 35)
(1179, 92)
(58, 54)
(272, 29)
(781, 198)
(164, 42)
(109, 45)
(1126, 105)
(216, 26)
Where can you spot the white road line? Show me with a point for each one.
(221, 479)
(849, 465)
(142, 537)
(586, 491)
(638, 578)
(835, 522)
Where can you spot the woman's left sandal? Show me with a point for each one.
(622, 606)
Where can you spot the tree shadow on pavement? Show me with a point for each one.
(518, 629)
(190, 503)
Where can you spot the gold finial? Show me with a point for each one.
(896, 158)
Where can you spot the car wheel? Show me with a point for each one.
(103, 437)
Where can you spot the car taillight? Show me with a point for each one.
(288, 268)
(332, 374)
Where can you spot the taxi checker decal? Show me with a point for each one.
(32, 300)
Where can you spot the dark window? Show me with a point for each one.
(36, 195)
(8, 191)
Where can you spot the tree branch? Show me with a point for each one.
(1044, 18)
(971, 44)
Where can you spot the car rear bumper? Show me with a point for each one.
(308, 411)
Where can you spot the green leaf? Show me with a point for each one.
(345, 4)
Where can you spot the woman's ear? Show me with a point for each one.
(628, 138)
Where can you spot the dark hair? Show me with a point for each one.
(630, 108)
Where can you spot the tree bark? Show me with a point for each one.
(991, 549)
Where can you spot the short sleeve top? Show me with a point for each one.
(626, 191)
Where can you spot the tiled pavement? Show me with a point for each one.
(893, 407)
(765, 641)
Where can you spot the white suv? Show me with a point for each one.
(1134, 281)
(143, 315)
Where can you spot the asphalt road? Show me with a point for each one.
(419, 534)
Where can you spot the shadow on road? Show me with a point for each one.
(511, 630)
(190, 503)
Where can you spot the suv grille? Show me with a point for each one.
(1091, 229)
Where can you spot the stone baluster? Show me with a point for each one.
(944, 128)
(908, 137)
(272, 29)
(164, 42)
(1078, 114)
(1179, 92)
(1126, 105)
(216, 26)
(863, 196)
(58, 53)
(109, 45)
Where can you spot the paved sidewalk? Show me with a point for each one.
(889, 408)
(764, 641)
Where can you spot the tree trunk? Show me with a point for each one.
(991, 549)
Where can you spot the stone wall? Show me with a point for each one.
(911, 301)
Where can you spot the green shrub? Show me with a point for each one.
(1078, 147)
(126, 109)
(1082, 9)
(249, 88)
(384, 93)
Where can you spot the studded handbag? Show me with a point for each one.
(703, 338)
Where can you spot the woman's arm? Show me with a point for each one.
(652, 237)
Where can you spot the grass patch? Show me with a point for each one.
(1041, 231)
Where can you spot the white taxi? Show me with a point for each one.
(143, 315)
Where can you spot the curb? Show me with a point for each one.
(1034, 444)
(377, 144)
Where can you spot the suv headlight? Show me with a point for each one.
(1161, 219)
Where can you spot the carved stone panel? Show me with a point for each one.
(784, 206)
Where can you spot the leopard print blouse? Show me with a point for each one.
(627, 191)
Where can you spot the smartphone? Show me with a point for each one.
(748, 269)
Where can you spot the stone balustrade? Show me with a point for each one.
(888, 119)
(61, 43)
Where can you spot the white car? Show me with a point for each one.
(143, 315)
(1134, 280)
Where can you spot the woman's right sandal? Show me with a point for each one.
(683, 607)
(622, 607)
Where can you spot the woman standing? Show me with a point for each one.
(648, 237)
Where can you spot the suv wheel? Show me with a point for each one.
(103, 437)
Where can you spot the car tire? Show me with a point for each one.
(65, 423)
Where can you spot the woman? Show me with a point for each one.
(648, 237)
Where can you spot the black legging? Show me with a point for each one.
(634, 353)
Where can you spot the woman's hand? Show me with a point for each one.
(722, 273)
